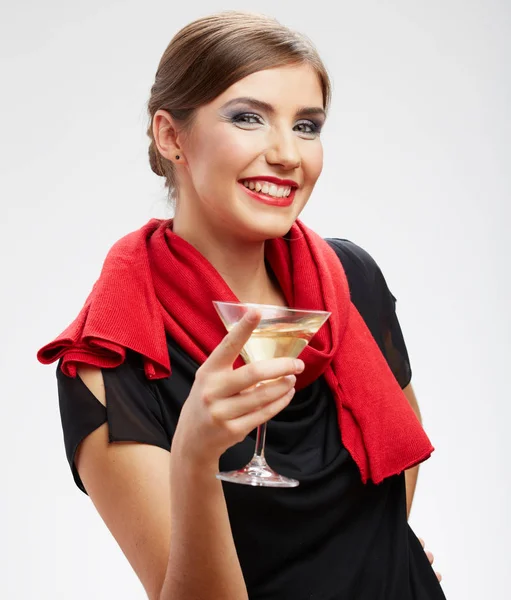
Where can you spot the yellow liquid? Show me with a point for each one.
(276, 338)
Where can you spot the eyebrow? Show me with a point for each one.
(303, 111)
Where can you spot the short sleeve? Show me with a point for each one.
(394, 347)
(376, 304)
(132, 411)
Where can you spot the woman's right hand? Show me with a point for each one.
(224, 405)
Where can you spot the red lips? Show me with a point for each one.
(265, 199)
(272, 179)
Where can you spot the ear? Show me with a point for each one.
(166, 136)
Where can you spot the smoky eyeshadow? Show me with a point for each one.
(236, 110)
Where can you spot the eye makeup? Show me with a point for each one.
(254, 103)
(247, 119)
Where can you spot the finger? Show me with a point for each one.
(430, 556)
(250, 421)
(438, 576)
(422, 542)
(241, 380)
(232, 344)
(248, 402)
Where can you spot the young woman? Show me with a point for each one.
(236, 112)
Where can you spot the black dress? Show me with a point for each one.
(332, 537)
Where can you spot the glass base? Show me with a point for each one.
(258, 473)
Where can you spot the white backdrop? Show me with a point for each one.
(417, 171)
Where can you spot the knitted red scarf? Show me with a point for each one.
(153, 282)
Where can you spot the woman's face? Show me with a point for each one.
(264, 126)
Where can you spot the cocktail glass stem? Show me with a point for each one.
(260, 441)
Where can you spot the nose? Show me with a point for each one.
(283, 150)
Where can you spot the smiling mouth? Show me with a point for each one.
(270, 186)
(271, 200)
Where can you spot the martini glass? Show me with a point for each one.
(281, 332)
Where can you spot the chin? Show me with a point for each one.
(273, 230)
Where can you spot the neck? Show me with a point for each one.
(240, 263)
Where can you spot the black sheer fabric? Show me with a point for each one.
(331, 538)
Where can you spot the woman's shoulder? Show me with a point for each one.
(121, 396)
(359, 265)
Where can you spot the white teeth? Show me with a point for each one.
(277, 191)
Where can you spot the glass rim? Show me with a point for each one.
(263, 306)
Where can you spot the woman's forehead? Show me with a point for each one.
(280, 87)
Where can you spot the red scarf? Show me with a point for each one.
(153, 282)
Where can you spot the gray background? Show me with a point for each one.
(417, 171)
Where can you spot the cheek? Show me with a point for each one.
(313, 163)
(227, 152)
(237, 146)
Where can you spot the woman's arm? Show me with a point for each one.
(133, 486)
(412, 474)
(203, 562)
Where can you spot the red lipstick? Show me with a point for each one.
(272, 179)
(271, 200)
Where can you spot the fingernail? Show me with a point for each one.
(299, 365)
